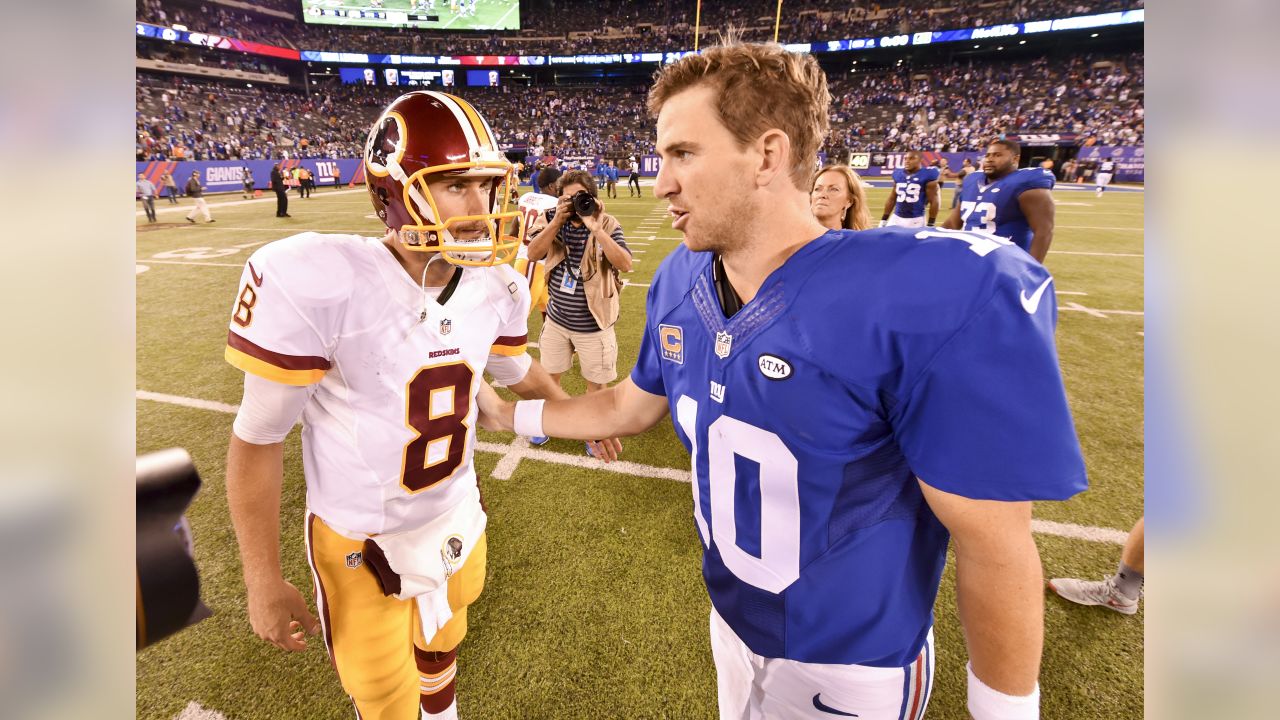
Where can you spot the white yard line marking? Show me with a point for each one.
(1077, 307)
(638, 252)
(286, 228)
(510, 458)
(1099, 254)
(1101, 212)
(505, 14)
(1070, 292)
(627, 283)
(169, 208)
(192, 262)
(140, 269)
(637, 244)
(1097, 227)
(1079, 532)
(195, 711)
(187, 402)
(520, 449)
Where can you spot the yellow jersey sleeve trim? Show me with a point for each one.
(270, 372)
(508, 350)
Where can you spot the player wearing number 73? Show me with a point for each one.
(851, 400)
(1003, 200)
(378, 344)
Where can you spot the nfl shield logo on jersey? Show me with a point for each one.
(446, 326)
(724, 341)
(354, 560)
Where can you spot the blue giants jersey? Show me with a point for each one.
(909, 191)
(994, 207)
(868, 359)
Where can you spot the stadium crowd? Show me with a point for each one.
(956, 108)
(953, 108)
(184, 119)
(558, 27)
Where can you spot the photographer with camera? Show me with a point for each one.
(585, 250)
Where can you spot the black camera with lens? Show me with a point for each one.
(584, 203)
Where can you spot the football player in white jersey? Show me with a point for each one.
(1106, 169)
(379, 345)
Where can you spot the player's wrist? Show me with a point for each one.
(987, 703)
(527, 418)
(884, 217)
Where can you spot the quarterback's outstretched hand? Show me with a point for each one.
(494, 412)
(279, 615)
(607, 450)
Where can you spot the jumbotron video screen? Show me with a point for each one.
(427, 14)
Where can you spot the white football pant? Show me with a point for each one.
(896, 219)
(752, 687)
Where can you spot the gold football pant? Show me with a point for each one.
(375, 641)
(536, 273)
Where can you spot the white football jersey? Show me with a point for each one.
(389, 429)
(533, 208)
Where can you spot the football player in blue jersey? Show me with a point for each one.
(1003, 200)
(913, 187)
(851, 401)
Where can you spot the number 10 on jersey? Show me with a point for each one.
(777, 510)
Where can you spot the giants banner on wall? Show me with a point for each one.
(228, 175)
(1130, 160)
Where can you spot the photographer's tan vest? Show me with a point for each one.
(601, 281)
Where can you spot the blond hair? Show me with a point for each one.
(856, 217)
(758, 87)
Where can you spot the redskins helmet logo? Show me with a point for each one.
(386, 143)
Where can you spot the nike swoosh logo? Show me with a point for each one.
(257, 279)
(817, 703)
(1031, 303)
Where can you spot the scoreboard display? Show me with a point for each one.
(426, 14)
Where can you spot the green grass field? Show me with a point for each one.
(490, 14)
(594, 605)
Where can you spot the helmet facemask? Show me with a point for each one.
(495, 246)
(400, 168)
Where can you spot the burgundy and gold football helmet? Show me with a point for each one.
(422, 134)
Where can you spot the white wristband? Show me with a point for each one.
(986, 703)
(528, 419)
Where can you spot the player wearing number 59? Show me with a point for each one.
(379, 345)
(850, 399)
(914, 188)
(1003, 200)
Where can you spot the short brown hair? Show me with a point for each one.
(759, 87)
(581, 177)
